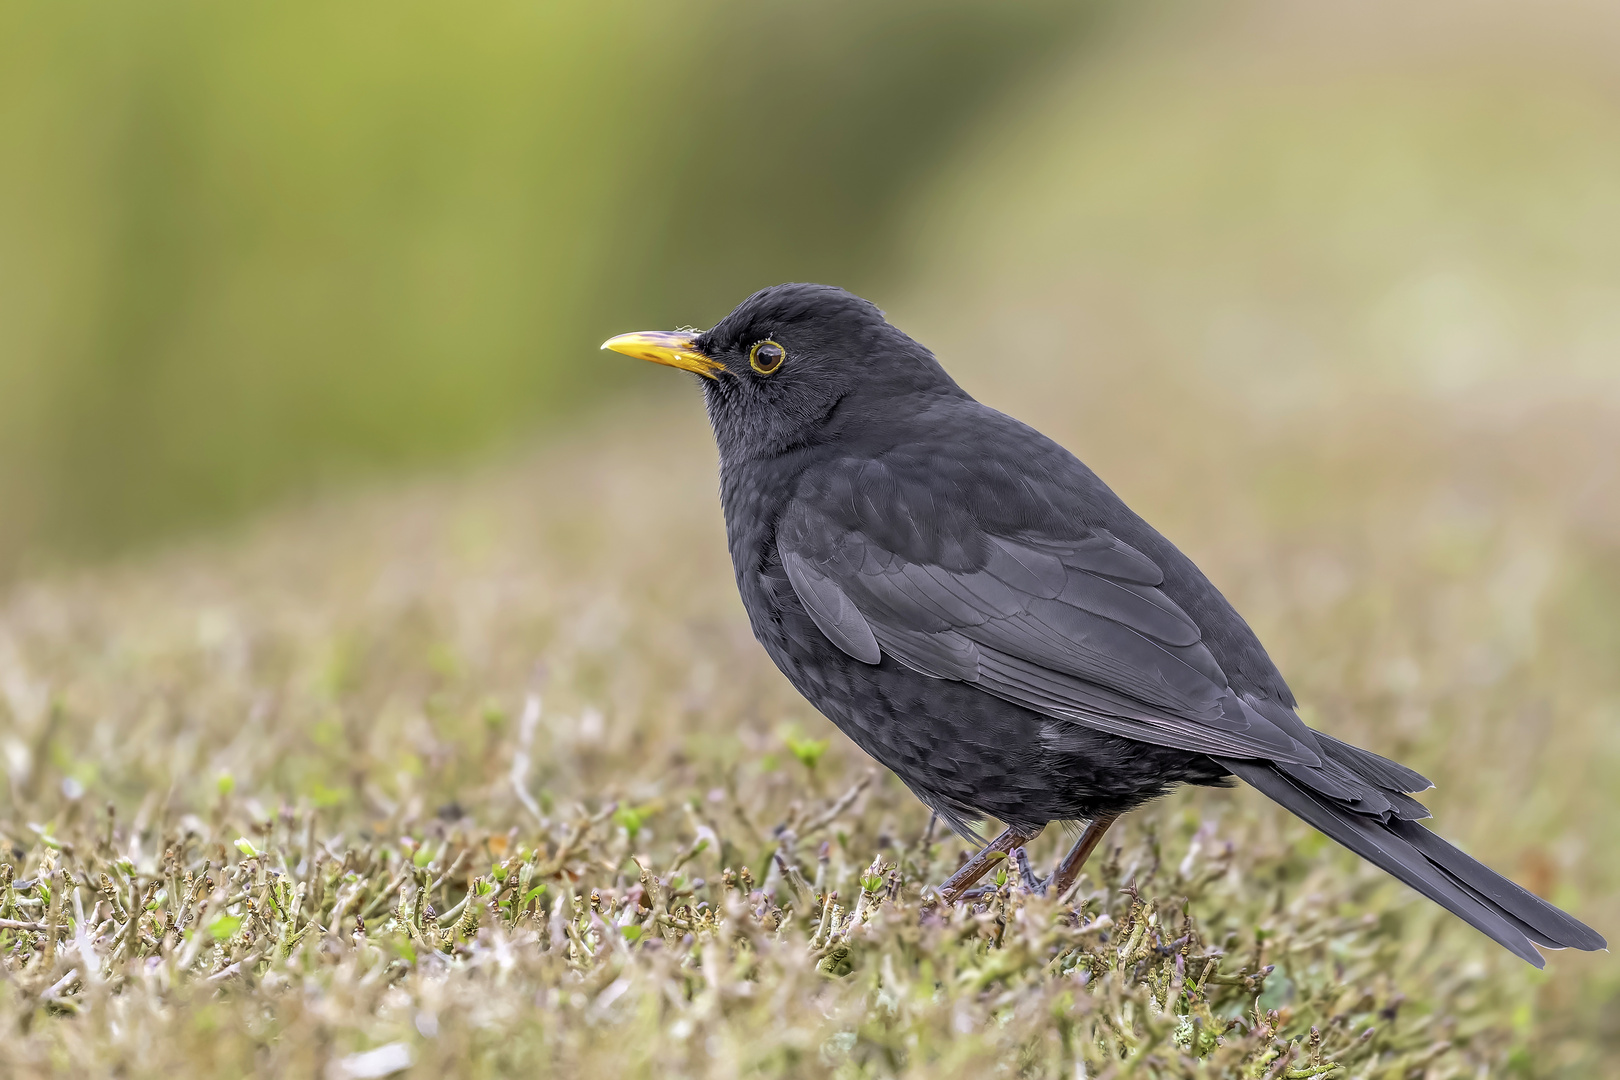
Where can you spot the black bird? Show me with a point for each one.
(982, 615)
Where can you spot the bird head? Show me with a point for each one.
(777, 370)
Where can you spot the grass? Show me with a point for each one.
(473, 953)
(485, 776)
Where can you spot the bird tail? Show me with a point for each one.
(1509, 915)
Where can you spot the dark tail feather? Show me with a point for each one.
(1510, 916)
(1560, 929)
(1375, 768)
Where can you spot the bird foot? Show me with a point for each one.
(1010, 844)
(1026, 880)
(957, 885)
(1027, 877)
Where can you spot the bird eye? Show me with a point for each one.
(766, 356)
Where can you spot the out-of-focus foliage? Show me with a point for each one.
(1299, 201)
(247, 246)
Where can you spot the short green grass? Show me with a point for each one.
(485, 776)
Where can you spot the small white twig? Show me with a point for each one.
(520, 761)
(844, 802)
(59, 985)
(246, 962)
(82, 941)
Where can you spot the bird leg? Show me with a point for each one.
(975, 868)
(1069, 869)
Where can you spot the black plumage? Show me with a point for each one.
(985, 617)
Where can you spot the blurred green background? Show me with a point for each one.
(253, 250)
(250, 248)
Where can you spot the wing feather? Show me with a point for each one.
(946, 655)
(1146, 609)
(1024, 568)
(831, 610)
(1103, 553)
(1077, 629)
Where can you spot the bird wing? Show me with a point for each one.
(1076, 628)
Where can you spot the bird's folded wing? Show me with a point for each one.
(1074, 628)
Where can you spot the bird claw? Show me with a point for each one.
(1026, 876)
(954, 888)
(1026, 880)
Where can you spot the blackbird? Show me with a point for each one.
(985, 617)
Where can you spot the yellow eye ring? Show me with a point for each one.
(766, 356)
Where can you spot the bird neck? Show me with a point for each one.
(753, 495)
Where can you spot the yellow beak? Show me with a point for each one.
(665, 347)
